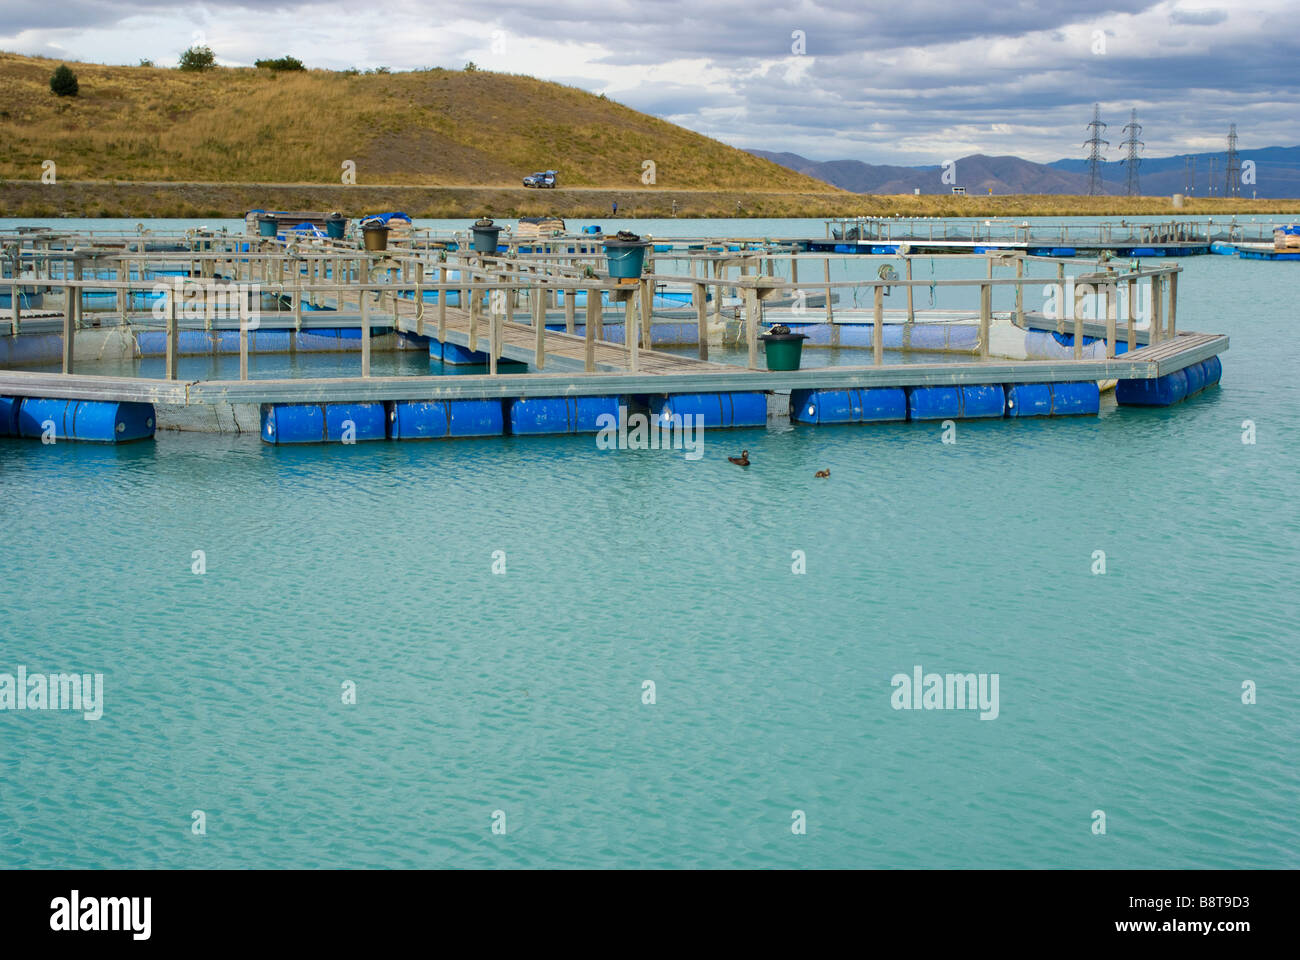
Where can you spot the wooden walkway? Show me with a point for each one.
(561, 351)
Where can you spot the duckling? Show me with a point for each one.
(822, 474)
(742, 460)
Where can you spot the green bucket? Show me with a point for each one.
(784, 350)
(483, 239)
(334, 226)
(266, 225)
(626, 258)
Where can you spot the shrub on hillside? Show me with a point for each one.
(280, 64)
(198, 58)
(64, 82)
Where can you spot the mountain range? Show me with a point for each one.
(1276, 174)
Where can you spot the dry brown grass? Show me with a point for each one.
(436, 127)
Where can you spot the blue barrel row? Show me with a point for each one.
(977, 401)
(99, 421)
(153, 343)
(1172, 387)
(285, 423)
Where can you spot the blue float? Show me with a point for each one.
(868, 405)
(1029, 399)
(955, 403)
(544, 415)
(1195, 378)
(714, 409)
(455, 354)
(933, 403)
(322, 422)
(9, 416)
(1155, 392)
(1076, 399)
(1213, 367)
(437, 419)
(97, 421)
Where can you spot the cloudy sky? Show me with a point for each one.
(908, 81)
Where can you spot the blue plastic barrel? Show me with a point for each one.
(933, 403)
(986, 400)
(1195, 378)
(435, 420)
(9, 416)
(714, 409)
(1155, 392)
(1029, 400)
(549, 415)
(1213, 370)
(1076, 399)
(869, 405)
(97, 421)
(284, 423)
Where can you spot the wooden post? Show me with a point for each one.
(986, 317)
(911, 311)
(647, 293)
(173, 338)
(1078, 330)
(878, 326)
(630, 333)
(70, 327)
(1173, 305)
(443, 294)
(719, 275)
(594, 314)
(1112, 311)
(751, 326)
(1157, 298)
(826, 264)
(570, 309)
(1060, 298)
(495, 320)
(700, 296)
(123, 293)
(474, 306)
(1132, 315)
(419, 298)
(244, 309)
(297, 295)
(365, 333)
(1020, 290)
(538, 297)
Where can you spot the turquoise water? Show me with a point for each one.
(522, 692)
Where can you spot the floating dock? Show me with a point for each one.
(1122, 238)
(559, 342)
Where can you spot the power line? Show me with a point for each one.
(1094, 143)
(1134, 130)
(1232, 172)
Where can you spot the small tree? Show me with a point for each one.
(279, 64)
(471, 67)
(64, 82)
(198, 58)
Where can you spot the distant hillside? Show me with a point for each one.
(1277, 174)
(436, 127)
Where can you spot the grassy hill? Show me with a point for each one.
(436, 127)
